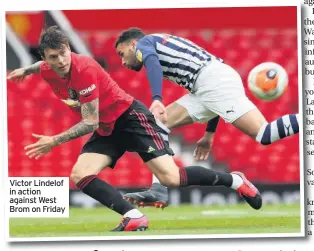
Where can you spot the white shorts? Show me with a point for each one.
(218, 91)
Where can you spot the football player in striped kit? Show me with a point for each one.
(216, 90)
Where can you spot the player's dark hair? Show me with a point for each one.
(128, 35)
(51, 38)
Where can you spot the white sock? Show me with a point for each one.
(237, 181)
(134, 213)
(155, 180)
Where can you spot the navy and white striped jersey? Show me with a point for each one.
(180, 58)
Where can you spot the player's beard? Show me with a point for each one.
(137, 67)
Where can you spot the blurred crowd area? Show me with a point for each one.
(243, 37)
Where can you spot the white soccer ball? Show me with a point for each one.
(268, 81)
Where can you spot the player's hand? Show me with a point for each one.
(17, 75)
(41, 147)
(159, 110)
(203, 146)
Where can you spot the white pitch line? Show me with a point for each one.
(234, 213)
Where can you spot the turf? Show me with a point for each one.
(237, 219)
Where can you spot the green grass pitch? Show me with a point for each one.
(184, 219)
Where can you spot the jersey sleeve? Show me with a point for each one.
(145, 48)
(88, 86)
(146, 53)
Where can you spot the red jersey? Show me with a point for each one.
(86, 82)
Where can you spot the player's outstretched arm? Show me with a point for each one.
(89, 123)
(34, 68)
(19, 74)
(155, 78)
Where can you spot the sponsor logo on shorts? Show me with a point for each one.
(150, 149)
(230, 111)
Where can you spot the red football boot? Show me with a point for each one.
(132, 224)
(249, 192)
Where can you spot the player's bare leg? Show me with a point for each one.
(88, 164)
(177, 116)
(250, 123)
(84, 175)
(255, 125)
(157, 195)
(171, 175)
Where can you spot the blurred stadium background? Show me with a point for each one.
(243, 37)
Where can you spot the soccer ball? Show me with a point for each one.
(268, 81)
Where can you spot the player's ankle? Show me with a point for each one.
(237, 181)
(134, 213)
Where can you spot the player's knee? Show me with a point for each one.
(75, 176)
(166, 170)
(169, 180)
(77, 173)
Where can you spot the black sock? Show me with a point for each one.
(104, 193)
(197, 175)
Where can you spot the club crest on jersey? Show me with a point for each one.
(72, 93)
(139, 55)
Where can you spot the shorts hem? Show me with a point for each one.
(156, 155)
(241, 114)
(114, 159)
(191, 115)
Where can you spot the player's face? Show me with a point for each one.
(59, 59)
(127, 53)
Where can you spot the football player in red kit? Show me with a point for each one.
(119, 123)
